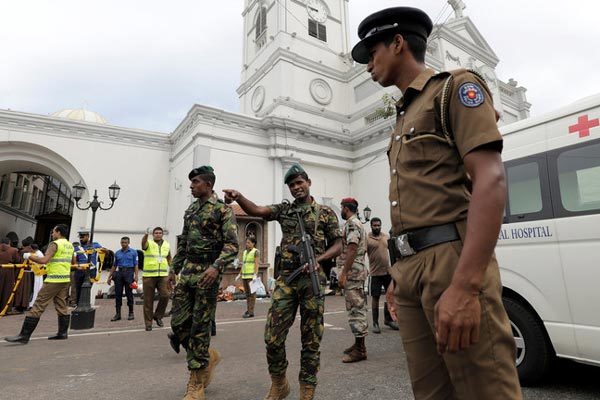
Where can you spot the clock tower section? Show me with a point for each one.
(295, 60)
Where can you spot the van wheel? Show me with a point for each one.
(534, 353)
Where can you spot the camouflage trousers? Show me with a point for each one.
(356, 306)
(193, 310)
(284, 305)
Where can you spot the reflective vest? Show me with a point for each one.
(59, 268)
(155, 259)
(249, 264)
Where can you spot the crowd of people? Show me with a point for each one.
(447, 194)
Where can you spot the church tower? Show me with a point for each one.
(295, 59)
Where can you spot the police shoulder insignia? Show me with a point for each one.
(470, 94)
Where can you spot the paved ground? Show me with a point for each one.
(119, 360)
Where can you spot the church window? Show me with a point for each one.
(3, 187)
(17, 191)
(317, 30)
(261, 27)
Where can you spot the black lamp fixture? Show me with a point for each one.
(78, 190)
(113, 191)
(367, 215)
(83, 316)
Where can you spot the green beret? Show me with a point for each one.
(203, 170)
(293, 172)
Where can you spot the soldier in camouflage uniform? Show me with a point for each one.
(352, 279)
(322, 224)
(207, 244)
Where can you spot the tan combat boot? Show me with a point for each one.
(214, 359)
(280, 388)
(307, 392)
(195, 386)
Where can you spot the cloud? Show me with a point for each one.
(144, 64)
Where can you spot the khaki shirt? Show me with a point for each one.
(379, 257)
(355, 233)
(429, 185)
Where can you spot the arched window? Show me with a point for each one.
(260, 25)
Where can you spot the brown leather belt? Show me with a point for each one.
(412, 242)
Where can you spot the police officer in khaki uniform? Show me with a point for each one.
(447, 195)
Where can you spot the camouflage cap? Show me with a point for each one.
(203, 170)
(295, 170)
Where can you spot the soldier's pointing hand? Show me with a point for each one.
(231, 195)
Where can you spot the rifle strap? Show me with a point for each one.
(317, 220)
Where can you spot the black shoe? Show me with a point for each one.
(63, 328)
(392, 324)
(247, 315)
(130, 316)
(26, 330)
(376, 328)
(117, 317)
(148, 328)
(174, 342)
(159, 322)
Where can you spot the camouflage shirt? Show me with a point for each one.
(208, 227)
(354, 232)
(324, 232)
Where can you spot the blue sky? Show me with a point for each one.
(143, 64)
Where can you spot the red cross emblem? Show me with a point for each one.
(583, 126)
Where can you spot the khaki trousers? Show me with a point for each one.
(250, 297)
(49, 292)
(73, 290)
(485, 370)
(150, 285)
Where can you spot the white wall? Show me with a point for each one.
(12, 223)
(140, 170)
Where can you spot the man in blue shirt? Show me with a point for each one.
(85, 258)
(124, 271)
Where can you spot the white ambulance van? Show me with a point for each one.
(549, 244)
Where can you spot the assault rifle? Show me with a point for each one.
(307, 258)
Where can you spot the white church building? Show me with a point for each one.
(302, 99)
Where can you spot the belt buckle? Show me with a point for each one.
(403, 246)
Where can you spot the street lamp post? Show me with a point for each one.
(83, 316)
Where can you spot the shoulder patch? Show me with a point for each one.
(470, 94)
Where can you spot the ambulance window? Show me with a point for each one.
(524, 189)
(579, 178)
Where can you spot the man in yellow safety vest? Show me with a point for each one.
(157, 258)
(58, 259)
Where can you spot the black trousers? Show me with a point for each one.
(79, 277)
(123, 278)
